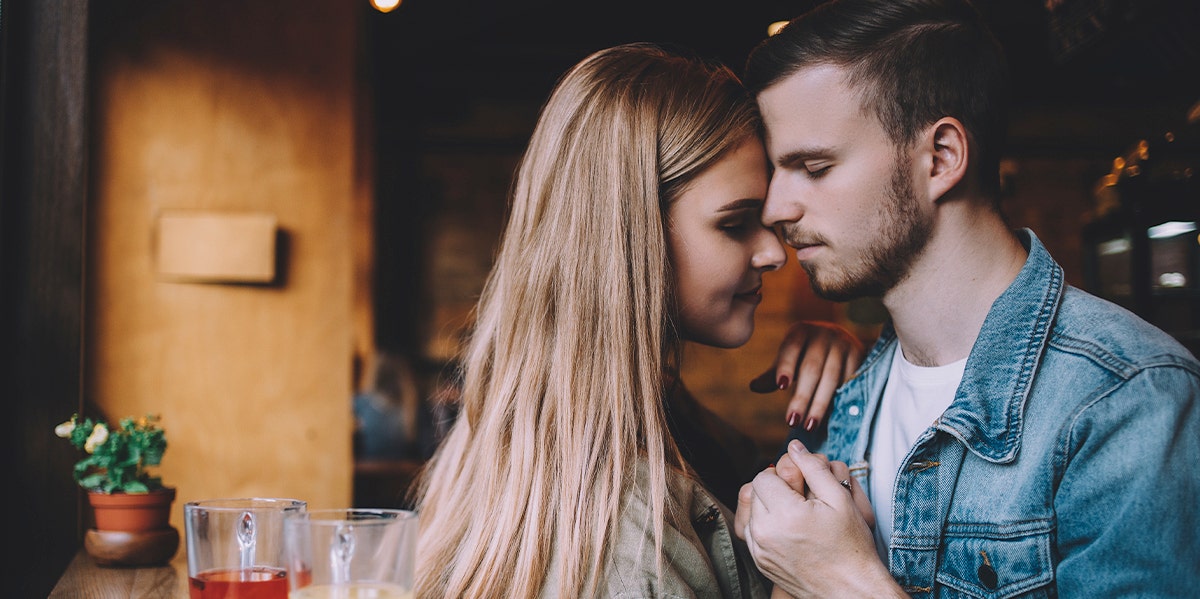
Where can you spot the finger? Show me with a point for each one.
(842, 473)
(790, 473)
(769, 490)
(817, 474)
(808, 375)
(826, 388)
(793, 472)
(748, 537)
(744, 507)
(794, 345)
(766, 382)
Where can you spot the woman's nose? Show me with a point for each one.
(769, 253)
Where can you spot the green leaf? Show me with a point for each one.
(92, 482)
(134, 486)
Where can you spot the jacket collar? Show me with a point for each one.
(989, 407)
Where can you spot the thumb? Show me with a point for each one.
(816, 471)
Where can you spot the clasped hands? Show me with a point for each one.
(807, 532)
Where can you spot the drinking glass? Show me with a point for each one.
(351, 553)
(235, 547)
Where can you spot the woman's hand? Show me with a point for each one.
(814, 359)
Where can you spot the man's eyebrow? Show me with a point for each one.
(742, 204)
(801, 154)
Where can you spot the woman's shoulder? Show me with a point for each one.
(696, 541)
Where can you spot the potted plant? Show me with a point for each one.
(132, 507)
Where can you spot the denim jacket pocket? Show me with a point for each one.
(997, 561)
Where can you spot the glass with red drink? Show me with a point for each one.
(235, 547)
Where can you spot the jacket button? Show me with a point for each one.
(987, 576)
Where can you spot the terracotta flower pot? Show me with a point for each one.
(132, 529)
(132, 512)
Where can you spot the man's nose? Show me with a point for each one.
(783, 205)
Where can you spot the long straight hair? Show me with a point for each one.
(563, 374)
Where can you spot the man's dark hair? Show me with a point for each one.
(914, 62)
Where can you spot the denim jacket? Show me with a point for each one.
(1066, 465)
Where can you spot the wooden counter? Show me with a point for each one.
(83, 579)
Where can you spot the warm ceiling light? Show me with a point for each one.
(774, 28)
(385, 5)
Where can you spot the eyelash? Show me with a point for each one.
(738, 228)
(817, 174)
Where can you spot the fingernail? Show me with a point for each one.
(792, 419)
(772, 465)
(810, 424)
(795, 446)
(783, 381)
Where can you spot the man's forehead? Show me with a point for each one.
(808, 98)
(814, 84)
(812, 100)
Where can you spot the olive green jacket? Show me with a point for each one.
(702, 556)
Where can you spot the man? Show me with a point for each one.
(1016, 436)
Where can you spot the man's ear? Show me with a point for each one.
(949, 151)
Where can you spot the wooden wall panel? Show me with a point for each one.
(43, 94)
(229, 107)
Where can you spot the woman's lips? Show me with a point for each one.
(753, 296)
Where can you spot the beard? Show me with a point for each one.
(889, 257)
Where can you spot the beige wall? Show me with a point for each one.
(228, 107)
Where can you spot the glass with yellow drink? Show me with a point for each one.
(351, 553)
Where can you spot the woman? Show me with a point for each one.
(634, 226)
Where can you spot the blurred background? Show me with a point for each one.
(312, 356)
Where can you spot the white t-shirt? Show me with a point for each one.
(914, 397)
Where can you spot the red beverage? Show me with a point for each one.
(259, 582)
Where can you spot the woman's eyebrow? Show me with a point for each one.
(742, 204)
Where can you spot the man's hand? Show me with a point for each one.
(807, 532)
(790, 473)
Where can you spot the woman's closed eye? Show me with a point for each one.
(741, 224)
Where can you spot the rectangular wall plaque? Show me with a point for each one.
(216, 247)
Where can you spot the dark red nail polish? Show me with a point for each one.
(810, 424)
(792, 419)
(783, 381)
(772, 465)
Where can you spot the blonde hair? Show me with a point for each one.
(564, 371)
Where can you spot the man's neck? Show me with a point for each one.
(939, 309)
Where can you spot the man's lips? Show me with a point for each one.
(805, 250)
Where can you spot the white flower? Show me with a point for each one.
(64, 430)
(96, 439)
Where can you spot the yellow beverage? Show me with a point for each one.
(354, 590)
